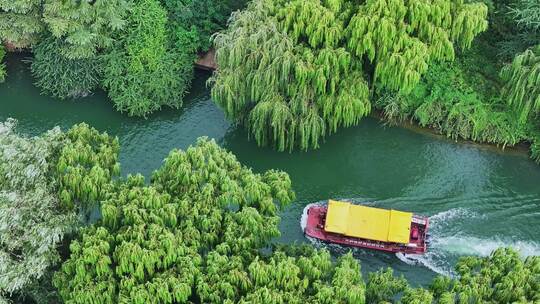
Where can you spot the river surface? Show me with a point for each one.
(478, 198)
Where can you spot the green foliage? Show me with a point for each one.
(417, 296)
(526, 14)
(513, 27)
(61, 77)
(200, 18)
(2, 65)
(85, 27)
(294, 71)
(457, 106)
(382, 286)
(377, 30)
(86, 166)
(522, 83)
(440, 287)
(152, 239)
(32, 220)
(503, 277)
(143, 72)
(20, 22)
(287, 94)
(194, 234)
(34, 175)
(535, 148)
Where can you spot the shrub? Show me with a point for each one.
(2, 65)
(84, 27)
(61, 77)
(20, 22)
(535, 148)
(143, 72)
(202, 18)
(522, 83)
(459, 107)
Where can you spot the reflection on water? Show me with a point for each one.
(477, 199)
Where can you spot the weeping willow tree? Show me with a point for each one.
(195, 235)
(295, 71)
(153, 239)
(87, 164)
(35, 216)
(383, 286)
(281, 278)
(20, 22)
(522, 83)
(502, 277)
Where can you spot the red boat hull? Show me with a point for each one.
(316, 216)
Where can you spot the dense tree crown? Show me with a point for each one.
(85, 26)
(293, 71)
(45, 182)
(522, 76)
(143, 72)
(192, 22)
(154, 241)
(61, 77)
(20, 22)
(522, 87)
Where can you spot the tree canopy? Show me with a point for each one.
(199, 19)
(199, 232)
(20, 22)
(522, 83)
(153, 240)
(61, 77)
(294, 71)
(85, 27)
(35, 214)
(503, 277)
(143, 72)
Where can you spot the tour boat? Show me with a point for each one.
(367, 227)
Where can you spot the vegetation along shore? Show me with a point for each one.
(204, 227)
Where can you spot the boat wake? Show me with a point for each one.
(444, 250)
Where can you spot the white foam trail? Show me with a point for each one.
(430, 260)
(427, 260)
(444, 250)
(463, 245)
(437, 258)
(445, 216)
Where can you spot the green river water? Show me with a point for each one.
(478, 198)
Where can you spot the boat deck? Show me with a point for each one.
(316, 228)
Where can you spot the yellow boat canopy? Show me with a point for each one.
(368, 222)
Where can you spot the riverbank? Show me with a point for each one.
(521, 149)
